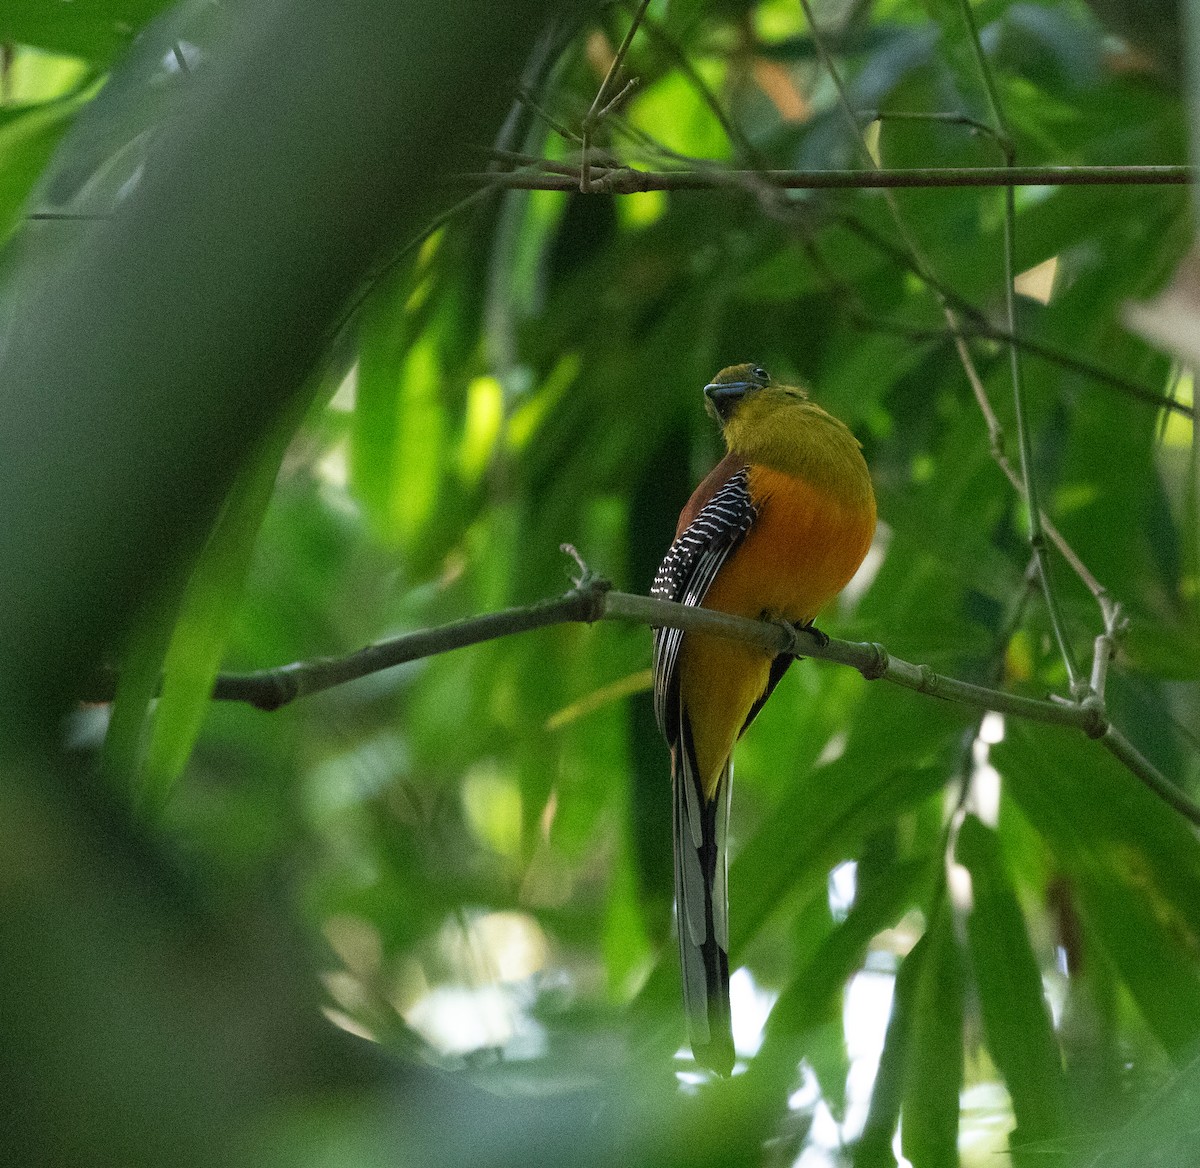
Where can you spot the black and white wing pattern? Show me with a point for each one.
(685, 576)
(699, 825)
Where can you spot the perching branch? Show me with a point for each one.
(593, 599)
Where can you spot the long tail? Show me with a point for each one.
(702, 905)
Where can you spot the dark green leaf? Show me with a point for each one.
(96, 29)
(1016, 1018)
(929, 1115)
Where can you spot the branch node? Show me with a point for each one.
(1095, 717)
(586, 575)
(589, 587)
(594, 590)
(282, 690)
(878, 666)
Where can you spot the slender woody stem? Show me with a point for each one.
(1037, 540)
(593, 600)
(1026, 486)
(603, 102)
(625, 181)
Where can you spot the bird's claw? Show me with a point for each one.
(790, 629)
(821, 638)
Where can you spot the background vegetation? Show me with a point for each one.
(264, 401)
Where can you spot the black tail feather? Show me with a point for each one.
(701, 893)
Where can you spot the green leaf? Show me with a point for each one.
(206, 617)
(1134, 862)
(811, 997)
(888, 766)
(28, 137)
(1164, 1132)
(140, 673)
(959, 54)
(1016, 1020)
(874, 1147)
(96, 29)
(929, 1116)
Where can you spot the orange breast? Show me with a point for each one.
(800, 553)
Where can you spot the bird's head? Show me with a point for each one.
(777, 425)
(746, 387)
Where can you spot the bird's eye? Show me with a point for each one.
(759, 374)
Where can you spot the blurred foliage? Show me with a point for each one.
(985, 934)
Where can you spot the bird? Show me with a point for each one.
(774, 532)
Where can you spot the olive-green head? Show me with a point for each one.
(740, 385)
(775, 425)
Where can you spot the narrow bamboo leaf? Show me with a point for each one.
(1163, 1134)
(811, 997)
(1016, 1020)
(398, 452)
(892, 761)
(874, 1147)
(27, 139)
(203, 625)
(627, 949)
(96, 29)
(384, 336)
(1134, 862)
(139, 672)
(929, 1116)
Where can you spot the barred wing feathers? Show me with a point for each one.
(699, 825)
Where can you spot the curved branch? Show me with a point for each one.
(593, 599)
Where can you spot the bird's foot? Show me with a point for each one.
(791, 645)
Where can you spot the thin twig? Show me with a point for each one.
(593, 600)
(620, 98)
(68, 216)
(532, 161)
(269, 689)
(602, 103)
(1037, 537)
(627, 181)
(949, 117)
(975, 325)
(558, 127)
(1146, 772)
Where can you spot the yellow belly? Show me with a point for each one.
(801, 552)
